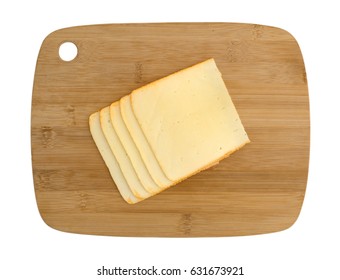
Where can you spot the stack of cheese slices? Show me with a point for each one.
(167, 131)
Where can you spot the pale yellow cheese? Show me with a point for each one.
(110, 160)
(189, 120)
(142, 144)
(121, 156)
(131, 150)
(168, 130)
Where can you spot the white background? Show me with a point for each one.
(31, 250)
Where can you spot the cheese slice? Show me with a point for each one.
(110, 160)
(121, 156)
(142, 144)
(167, 131)
(189, 120)
(131, 150)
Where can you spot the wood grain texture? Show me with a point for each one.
(259, 189)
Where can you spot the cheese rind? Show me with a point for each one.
(110, 160)
(121, 156)
(189, 120)
(131, 150)
(142, 144)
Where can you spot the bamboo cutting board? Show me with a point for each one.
(259, 189)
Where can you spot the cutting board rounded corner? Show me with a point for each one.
(291, 225)
(49, 221)
(49, 48)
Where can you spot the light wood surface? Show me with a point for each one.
(259, 189)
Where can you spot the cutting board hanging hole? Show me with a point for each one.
(68, 51)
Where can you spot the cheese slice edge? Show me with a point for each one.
(131, 150)
(118, 150)
(143, 146)
(110, 160)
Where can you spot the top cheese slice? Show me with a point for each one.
(189, 120)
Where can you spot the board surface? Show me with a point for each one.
(259, 189)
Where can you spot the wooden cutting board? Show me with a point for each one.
(259, 189)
